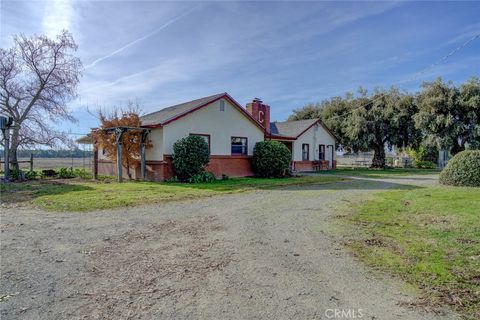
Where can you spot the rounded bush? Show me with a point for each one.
(462, 170)
(271, 159)
(190, 156)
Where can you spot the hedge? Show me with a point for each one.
(462, 170)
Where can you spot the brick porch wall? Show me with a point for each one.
(301, 166)
(232, 166)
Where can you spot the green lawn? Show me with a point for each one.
(429, 237)
(381, 173)
(74, 195)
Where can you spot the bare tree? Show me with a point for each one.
(38, 77)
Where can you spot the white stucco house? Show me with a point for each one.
(231, 132)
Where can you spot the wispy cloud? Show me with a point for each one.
(57, 16)
(128, 45)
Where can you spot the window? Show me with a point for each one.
(204, 136)
(305, 152)
(239, 145)
(222, 105)
(321, 152)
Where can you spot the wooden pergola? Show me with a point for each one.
(119, 131)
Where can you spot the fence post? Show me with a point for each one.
(31, 162)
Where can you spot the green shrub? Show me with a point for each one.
(16, 174)
(173, 179)
(463, 169)
(82, 173)
(424, 164)
(423, 153)
(271, 159)
(31, 175)
(203, 176)
(190, 156)
(65, 173)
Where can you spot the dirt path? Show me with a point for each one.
(261, 255)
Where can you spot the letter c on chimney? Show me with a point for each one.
(261, 117)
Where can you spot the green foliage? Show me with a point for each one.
(203, 176)
(173, 179)
(423, 153)
(271, 159)
(424, 164)
(65, 173)
(190, 156)
(16, 174)
(449, 115)
(31, 175)
(81, 173)
(462, 170)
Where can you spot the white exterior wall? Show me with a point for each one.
(314, 136)
(220, 125)
(155, 153)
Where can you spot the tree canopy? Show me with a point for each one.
(449, 115)
(440, 116)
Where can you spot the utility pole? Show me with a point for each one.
(5, 124)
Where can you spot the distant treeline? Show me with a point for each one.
(49, 153)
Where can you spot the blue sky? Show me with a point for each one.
(287, 53)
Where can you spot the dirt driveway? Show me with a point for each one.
(261, 255)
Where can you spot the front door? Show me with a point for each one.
(330, 151)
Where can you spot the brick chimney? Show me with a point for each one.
(260, 112)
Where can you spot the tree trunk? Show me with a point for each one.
(378, 157)
(14, 147)
(127, 165)
(457, 147)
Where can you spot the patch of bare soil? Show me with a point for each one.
(134, 273)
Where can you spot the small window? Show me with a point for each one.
(305, 152)
(239, 145)
(321, 152)
(222, 105)
(204, 136)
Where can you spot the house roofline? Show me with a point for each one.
(274, 136)
(223, 96)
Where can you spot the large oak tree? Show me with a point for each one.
(38, 77)
(368, 122)
(450, 115)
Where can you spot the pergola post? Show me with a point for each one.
(143, 165)
(119, 135)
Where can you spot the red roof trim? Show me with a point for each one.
(224, 96)
(324, 127)
(276, 136)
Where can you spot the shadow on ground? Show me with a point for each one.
(18, 192)
(355, 184)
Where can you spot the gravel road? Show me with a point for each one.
(267, 254)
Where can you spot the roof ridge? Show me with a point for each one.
(211, 97)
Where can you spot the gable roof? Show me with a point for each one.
(170, 114)
(163, 115)
(291, 128)
(294, 129)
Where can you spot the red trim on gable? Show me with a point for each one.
(324, 127)
(224, 96)
(273, 136)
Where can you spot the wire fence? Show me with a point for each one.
(80, 156)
